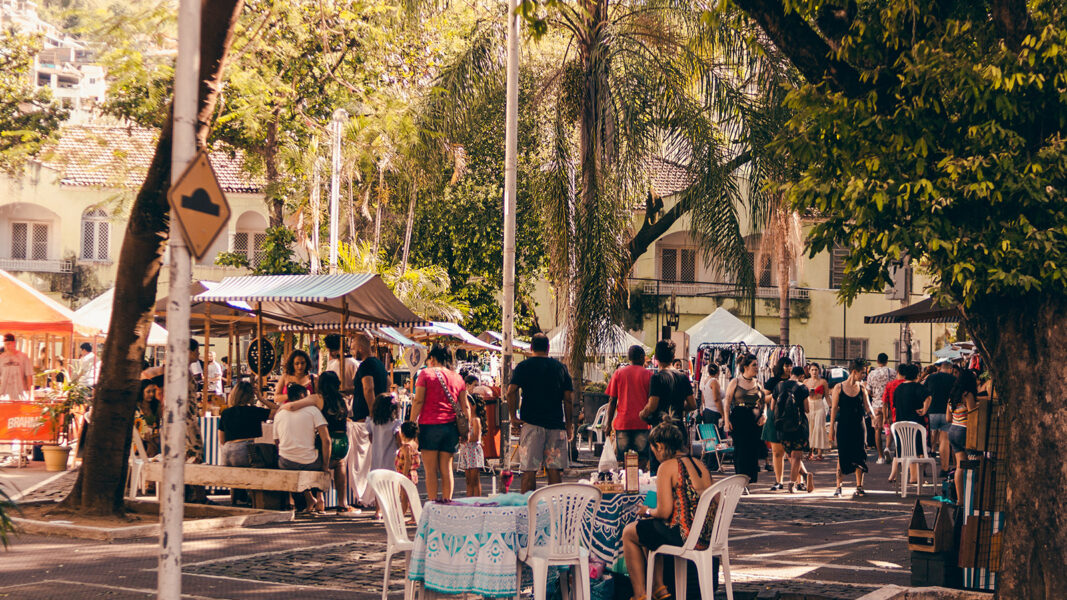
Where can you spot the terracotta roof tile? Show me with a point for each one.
(119, 156)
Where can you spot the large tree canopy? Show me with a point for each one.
(936, 131)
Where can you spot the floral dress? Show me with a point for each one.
(407, 461)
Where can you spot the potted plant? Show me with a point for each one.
(57, 412)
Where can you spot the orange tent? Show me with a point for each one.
(26, 311)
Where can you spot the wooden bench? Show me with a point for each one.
(269, 488)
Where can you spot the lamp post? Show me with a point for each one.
(337, 128)
(511, 143)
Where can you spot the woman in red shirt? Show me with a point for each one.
(439, 393)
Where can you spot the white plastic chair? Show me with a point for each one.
(905, 433)
(600, 420)
(387, 486)
(729, 492)
(135, 482)
(568, 506)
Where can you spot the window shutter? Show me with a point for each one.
(258, 240)
(88, 239)
(19, 240)
(40, 241)
(837, 266)
(103, 240)
(669, 264)
(240, 243)
(688, 267)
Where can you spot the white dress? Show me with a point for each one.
(817, 437)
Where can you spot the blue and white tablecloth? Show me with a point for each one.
(460, 548)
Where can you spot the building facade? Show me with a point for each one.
(62, 223)
(672, 272)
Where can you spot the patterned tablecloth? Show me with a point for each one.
(472, 549)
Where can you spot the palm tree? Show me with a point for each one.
(634, 81)
(425, 290)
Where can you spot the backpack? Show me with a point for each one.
(789, 412)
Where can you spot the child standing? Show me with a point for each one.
(407, 460)
(470, 457)
(384, 433)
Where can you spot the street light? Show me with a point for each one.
(337, 128)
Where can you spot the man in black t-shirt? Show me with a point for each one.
(546, 413)
(371, 379)
(911, 402)
(670, 393)
(938, 386)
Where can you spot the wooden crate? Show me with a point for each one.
(985, 484)
(979, 544)
(930, 538)
(935, 569)
(987, 420)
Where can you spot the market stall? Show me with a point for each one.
(722, 327)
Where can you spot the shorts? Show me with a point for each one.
(237, 454)
(939, 422)
(631, 439)
(957, 438)
(338, 447)
(289, 465)
(877, 423)
(470, 456)
(653, 533)
(439, 438)
(539, 446)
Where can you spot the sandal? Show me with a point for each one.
(661, 593)
(837, 492)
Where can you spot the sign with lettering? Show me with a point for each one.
(21, 421)
(199, 206)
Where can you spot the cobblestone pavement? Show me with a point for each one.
(800, 546)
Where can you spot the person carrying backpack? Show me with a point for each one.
(791, 423)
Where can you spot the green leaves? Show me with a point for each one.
(959, 161)
(28, 116)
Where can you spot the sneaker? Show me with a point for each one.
(837, 492)
(859, 492)
(880, 461)
(777, 487)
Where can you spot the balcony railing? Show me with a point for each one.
(36, 266)
(711, 290)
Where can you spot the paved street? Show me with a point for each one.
(800, 545)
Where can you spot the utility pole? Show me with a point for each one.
(172, 493)
(511, 143)
(337, 128)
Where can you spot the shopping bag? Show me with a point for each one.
(608, 462)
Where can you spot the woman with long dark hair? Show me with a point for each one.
(744, 406)
(816, 385)
(849, 405)
(298, 371)
(961, 400)
(779, 373)
(436, 389)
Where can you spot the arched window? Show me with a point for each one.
(249, 236)
(96, 236)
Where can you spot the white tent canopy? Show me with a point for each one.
(557, 343)
(97, 315)
(453, 330)
(721, 327)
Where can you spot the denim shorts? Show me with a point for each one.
(439, 438)
(939, 422)
(957, 438)
(289, 465)
(237, 454)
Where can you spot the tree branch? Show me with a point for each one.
(1012, 21)
(806, 49)
(650, 232)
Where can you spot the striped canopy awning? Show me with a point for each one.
(317, 302)
(924, 311)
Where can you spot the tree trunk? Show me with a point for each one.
(407, 231)
(101, 482)
(783, 286)
(1025, 341)
(378, 212)
(275, 202)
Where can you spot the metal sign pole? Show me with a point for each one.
(172, 494)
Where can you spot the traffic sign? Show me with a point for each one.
(199, 206)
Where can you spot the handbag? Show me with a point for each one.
(462, 424)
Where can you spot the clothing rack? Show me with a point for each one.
(725, 355)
